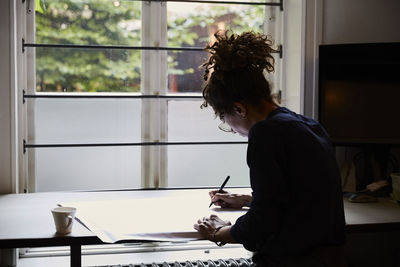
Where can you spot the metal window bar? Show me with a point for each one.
(27, 145)
(123, 47)
(106, 95)
(277, 4)
(127, 96)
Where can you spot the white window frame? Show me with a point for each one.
(154, 111)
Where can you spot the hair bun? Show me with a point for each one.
(247, 50)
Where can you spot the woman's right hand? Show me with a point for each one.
(229, 200)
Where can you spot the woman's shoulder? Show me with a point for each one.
(281, 121)
(284, 116)
(275, 119)
(266, 128)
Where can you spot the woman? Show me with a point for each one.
(296, 213)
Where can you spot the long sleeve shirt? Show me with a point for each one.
(297, 201)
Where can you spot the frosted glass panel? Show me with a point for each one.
(202, 165)
(59, 169)
(87, 120)
(188, 122)
(191, 166)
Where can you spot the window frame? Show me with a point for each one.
(154, 161)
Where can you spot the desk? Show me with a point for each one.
(26, 220)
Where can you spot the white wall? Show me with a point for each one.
(6, 185)
(360, 21)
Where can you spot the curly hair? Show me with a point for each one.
(234, 70)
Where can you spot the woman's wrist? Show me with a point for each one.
(246, 200)
(222, 235)
(214, 237)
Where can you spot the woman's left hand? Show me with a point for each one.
(207, 226)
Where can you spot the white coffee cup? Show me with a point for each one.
(63, 219)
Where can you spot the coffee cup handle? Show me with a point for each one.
(70, 219)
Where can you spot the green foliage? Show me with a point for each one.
(106, 22)
(38, 7)
(97, 22)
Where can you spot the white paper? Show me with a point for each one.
(157, 219)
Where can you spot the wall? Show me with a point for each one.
(360, 21)
(6, 185)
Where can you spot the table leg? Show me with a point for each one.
(76, 256)
(8, 257)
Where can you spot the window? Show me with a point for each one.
(113, 92)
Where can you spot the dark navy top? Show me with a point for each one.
(297, 201)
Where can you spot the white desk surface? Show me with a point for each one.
(385, 213)
(167, 218)
(26, 219)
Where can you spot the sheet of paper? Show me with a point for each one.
(158, 219)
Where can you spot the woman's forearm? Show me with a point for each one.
(246, 200)
(223, 235)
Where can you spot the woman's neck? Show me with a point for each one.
(261, 112)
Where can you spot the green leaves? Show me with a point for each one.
(38, 7)
(97, 22)
(106, 22)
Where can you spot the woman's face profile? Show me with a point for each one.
(238, 123)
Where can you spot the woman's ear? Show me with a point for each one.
(240, 109)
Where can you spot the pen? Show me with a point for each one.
(221, 188)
